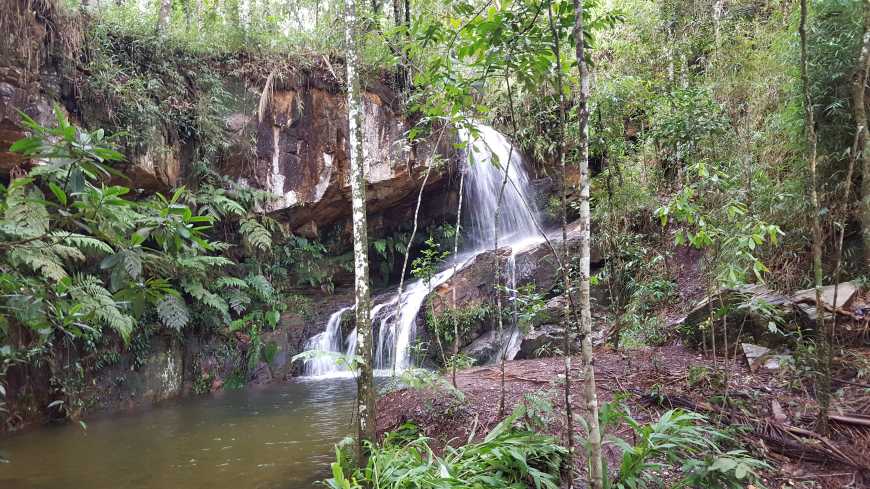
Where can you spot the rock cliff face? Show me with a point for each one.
(288, 135)
(301, 155)
(473, 285)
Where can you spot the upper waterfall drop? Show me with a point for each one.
(488, 153)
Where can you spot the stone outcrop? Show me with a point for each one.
(473, 285)
(302, 155)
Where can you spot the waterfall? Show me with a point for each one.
(395, 320)
(514, 336)
(327, 341)
(489, 152)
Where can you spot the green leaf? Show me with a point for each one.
(58, 192)
(272, 318)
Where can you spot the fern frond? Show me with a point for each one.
(98, 303)
(227, 281)
(238, 300)
(173, 312)
(40, 259)
(26, 214)
(227, 206)
(255, 236)
(133, 264)
(210, 299)
(219, 245)
(82, 242)
(261, 286)
(202, 263)
(64, 252)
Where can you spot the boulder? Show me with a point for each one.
(805, 300)
(542, 341)
(484, 348)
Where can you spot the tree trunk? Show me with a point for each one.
(861, 149)
(566, 282)
(458, 229)
(823, 390)
(365, 383)
(596, 470)
(498, 286)
(163, 15)
(244, 14)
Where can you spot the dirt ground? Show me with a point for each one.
(778, 407)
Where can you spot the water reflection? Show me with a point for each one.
(277, 437)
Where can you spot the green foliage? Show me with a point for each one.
(678, 441)
(431, 256)
(462, 319)
(685, 124)
(527, 305)
(508, 456)
(79, 259)
(350, 362)
(309, 261)
(723, 224)
(834, 42)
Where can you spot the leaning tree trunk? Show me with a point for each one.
(823, 390)
(862, 152)
(596, 469)
(365, 383)
(163, 15)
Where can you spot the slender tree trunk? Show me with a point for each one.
(365, 381)
(862, 150)
(458, 229)
(163, 15)
(566, 282)
(596, 470)
(399, 40)
(244, 14)
(823, 389)
(498, 285)
(429, 164)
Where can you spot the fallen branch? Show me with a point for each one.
(837, 310)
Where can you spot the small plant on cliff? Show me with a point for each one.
(424, 267)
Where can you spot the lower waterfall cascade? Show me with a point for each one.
(395, 320)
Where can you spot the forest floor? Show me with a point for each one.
(775, 407)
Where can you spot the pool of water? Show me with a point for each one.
(274, 437)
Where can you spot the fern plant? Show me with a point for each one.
(80, 259)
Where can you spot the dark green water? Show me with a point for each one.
(274, 437)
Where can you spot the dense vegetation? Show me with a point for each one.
(707, 127)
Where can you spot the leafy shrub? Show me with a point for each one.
(509, 456)
(680, 442)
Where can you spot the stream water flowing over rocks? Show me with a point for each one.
(492, 205)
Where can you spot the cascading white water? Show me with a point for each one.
(327, 341)
(488, 154)
(514, 336)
